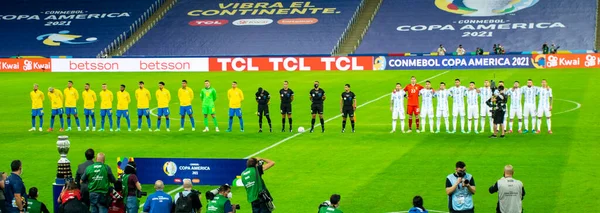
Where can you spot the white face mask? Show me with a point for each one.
(229, 195)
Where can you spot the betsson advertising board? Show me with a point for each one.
(130, 65)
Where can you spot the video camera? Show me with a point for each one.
(210, 195)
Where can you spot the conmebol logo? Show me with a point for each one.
(297, 21)
(257, 21)
(212, 23)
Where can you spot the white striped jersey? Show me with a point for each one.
(442, 98)
(398, 99)
(472, 96)
(529, 94)
(427, 98)
(515, 97)
(545, 95)
(458, 95)
(485, 93)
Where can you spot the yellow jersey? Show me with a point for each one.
(123, 100)
(185, 96)
(89, 99)
(37, 99)
(163, 97)
(106, 97)
(143, 98)
(71, 96)
(56, 98)
(235, 96)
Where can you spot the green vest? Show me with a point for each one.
(97, 177)
(329, 209)
(252, 183)
(34, 206)
(217, 205)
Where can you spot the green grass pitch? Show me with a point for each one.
(373, 170)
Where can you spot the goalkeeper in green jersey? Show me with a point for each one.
(209, 96)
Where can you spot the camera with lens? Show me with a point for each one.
(466, 181)
(235, 206)
(140, 194)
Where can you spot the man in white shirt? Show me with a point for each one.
(458, 93)
(529, 95)
(427, 106)
(442, 107)
(397, 107)
(544, 106)
(515, 95)
(460, 50)
(441, 50)
(472, 107)
(485, 93)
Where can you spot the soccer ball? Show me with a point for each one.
(300, 129)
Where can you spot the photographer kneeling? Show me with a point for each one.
(258, 194)
(332, 205)
(460, 187)
(219, 203)
(131, 187)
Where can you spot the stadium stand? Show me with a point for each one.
(219, 28)
(69, 28)
(522, 25)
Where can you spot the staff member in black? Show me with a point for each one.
(498, 104)
(263, 98)
(347, 106)
(317, 96)
(287, 96)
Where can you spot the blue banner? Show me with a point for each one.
(200, 171)
(518, 25)
(452, 62)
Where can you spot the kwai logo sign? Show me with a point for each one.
(252, 22)
(484, 7)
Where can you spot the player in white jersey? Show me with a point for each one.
(544, 106)
(442, 107)
(458, 105)
(501, 83)
(472, 107)
(427, 106)
(529, 95)
(397, 107)
(485, 93)
(516, 109)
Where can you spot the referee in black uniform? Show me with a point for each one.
(263, 98)
(287, 96)
(347, 106)
(317, 96)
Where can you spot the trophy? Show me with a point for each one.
(64, 165)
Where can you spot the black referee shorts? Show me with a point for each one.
(316, 109)
(348, 111)
(285, 109)
(263, 110)
(498, 117)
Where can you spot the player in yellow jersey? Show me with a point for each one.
(123, 100)
(37, 107)
(186, 95)
(89, 101)
(71, 96)
(56, 98)
(142, 95)
(235, 96)
(106, 97)
(163, 97)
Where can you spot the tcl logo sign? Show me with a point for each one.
(208, 23)
(291, 63)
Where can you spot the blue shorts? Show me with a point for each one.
(71, 110)
(235, 112)
(163, 112)
(143, 112)
(87, 112)
(105, 112)
(37, 112)
(57, 112)
(124, 113)
(183, 110)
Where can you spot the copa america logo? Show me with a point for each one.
(482, 8)
(170, 168)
